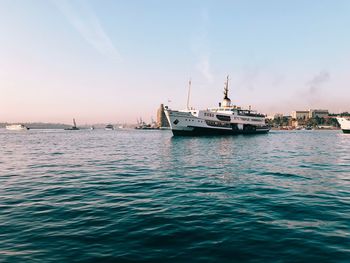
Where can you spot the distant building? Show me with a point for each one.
(162, 121)
(300, 115)
(275, 116)
(318, 113)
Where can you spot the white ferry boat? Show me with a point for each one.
(225, 119)
(16, 127)
(344, 124)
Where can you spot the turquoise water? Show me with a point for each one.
(130, 196)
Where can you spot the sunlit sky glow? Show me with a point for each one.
(116, 61)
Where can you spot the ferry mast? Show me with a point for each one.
(226, 102)
(226, 88)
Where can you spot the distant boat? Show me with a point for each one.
(344, 124)
(16, 127)
(109, 127)
(141, 125)
(92, 128)
(73, 128)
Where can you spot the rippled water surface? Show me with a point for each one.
(115, 196)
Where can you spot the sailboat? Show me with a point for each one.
(73, 128)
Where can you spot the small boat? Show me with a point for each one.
(92, 128)
(16, 127)
(141, 125)
(344, 124)
(109, 127)
(73, 128)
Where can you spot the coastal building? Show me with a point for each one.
(300, 115)
(275, 116)
(312, 113)
(162, 121)
(318, 113)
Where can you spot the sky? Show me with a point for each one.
(114, 61)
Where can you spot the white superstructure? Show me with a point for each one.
(225, 119)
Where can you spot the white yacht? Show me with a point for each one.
(16, 127)
(225, 119)
(344, 124)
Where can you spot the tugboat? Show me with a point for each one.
(226, 119)
(73, 128)
(344, 124)
(16, 127)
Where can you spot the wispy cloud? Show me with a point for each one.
(203, 66)
(200, 47)
(317, 81)
(313, 93)
(85, 21)
(250, 77)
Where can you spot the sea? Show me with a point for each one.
(146, 196)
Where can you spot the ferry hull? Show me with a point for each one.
(200, 131)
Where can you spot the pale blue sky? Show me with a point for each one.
(115, 61)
